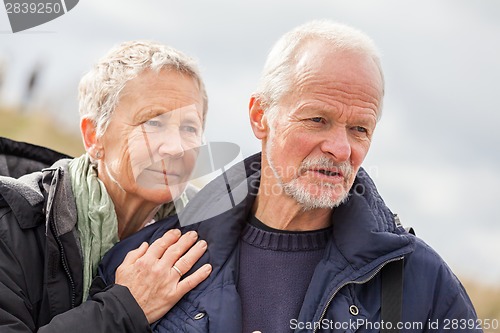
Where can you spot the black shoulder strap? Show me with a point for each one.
(392, 296)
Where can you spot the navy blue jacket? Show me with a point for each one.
(344, 293)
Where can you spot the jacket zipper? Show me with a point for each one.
(65, 265)
(353, 282)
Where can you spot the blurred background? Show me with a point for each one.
(435, 155)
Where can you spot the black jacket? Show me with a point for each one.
(40, 255)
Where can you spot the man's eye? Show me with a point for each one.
(360, 129)
(317, 119)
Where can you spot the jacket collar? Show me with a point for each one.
(365, 234)
(364, 228)
(24, 198)
(365, 238)
(50, 187)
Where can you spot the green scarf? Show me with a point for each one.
(97, 222)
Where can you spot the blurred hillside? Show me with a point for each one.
(39, 129)
(486, 299)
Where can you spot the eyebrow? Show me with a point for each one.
(151, 113)
(195, 118)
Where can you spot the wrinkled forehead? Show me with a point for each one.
(328, 75)
(171, 112)
(322, 62)
(154, 93)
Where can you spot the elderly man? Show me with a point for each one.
(306, 240)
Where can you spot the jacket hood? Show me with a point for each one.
(25, 195)
(21, 158)
(24, 198)
(20, 177)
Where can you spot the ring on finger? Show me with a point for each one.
(177, 270)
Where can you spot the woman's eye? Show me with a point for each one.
(189, 129)
(153, 123)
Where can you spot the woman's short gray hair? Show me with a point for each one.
(100, 88)
(278, 75)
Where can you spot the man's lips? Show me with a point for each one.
(327, 172)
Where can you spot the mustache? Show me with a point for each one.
(323, 162)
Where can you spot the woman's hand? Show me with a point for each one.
(152, 272)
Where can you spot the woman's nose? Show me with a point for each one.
(171, 144)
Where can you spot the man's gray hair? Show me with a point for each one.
(100, 88)
(278, 75)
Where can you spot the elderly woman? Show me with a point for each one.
(142, 111)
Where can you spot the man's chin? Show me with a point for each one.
(317, 197)
(325, 190)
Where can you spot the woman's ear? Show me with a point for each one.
(258, 119)
(90, 141)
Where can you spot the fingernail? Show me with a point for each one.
(192, 234)
(175, 232)
(208, 268)
(202, 244)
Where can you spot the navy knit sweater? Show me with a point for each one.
(276, 267)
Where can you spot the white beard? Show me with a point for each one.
(327, 196)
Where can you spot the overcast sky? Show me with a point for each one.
(435, 155)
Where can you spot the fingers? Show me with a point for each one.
(187, 261)
(149, 274)
(133, 255)
(159, 246)
(191, 281)
(175, 251)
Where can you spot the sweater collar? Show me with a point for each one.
(262, 236)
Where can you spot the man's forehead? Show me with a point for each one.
(317, 65)
(320, 54)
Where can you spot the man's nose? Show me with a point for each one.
(171, 144)
(336, 144)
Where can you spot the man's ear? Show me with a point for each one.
(90, 141)
(258, 120)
